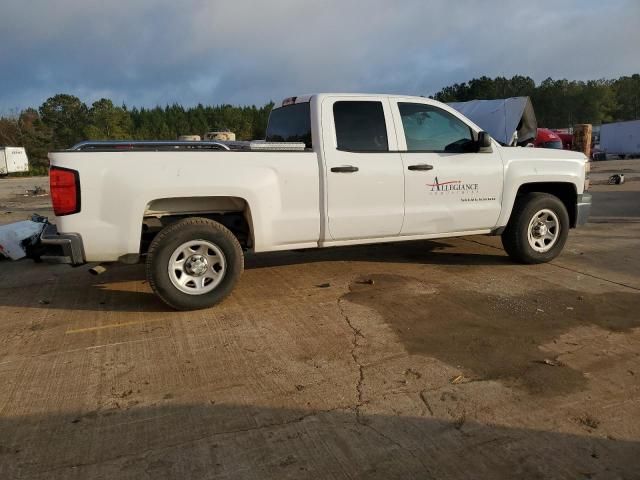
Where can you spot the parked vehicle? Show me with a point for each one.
(13, 160)
(361, 169)
(546, 138)
(621, 139)
(566, 137)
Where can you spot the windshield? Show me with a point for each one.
(290, 124)
(553, 144)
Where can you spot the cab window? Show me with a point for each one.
(360, 126)
(290, 124)
(431, 129)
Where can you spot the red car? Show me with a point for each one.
(567, 139)
(546, 138)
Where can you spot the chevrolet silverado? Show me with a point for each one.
(334, 169)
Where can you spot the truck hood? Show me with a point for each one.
(528, 153)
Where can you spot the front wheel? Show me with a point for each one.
(537, 230)
(194, 263)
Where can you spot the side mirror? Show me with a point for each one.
(484, 142)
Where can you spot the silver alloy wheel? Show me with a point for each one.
(543, 231)
(197, 267)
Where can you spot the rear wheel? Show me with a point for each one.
(194, 263)
(537, 230)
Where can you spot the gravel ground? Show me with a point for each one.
(16, 204)
(436, 359)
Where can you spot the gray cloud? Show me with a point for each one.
(147, 52)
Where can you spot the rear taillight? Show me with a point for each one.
(65, 191)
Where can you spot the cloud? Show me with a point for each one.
(147, 52)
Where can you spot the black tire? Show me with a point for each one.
(515, 237)
(175, 235)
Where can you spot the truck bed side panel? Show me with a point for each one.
(280, 188)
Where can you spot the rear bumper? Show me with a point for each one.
(70, 249)
(583, 209)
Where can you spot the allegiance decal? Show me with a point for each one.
(452, 186)
(467, 191)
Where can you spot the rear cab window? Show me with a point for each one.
(360, 126)
(291, 123)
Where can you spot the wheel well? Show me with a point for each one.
(565, 191)
(232, 212)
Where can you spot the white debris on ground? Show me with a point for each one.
(15, 237)
(38, 191)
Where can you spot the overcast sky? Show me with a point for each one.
(148, 52)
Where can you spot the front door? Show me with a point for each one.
(449, 185)
(364, 171)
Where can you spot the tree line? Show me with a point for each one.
(63, 120)
(558, 103)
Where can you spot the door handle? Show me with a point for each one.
(345, 169)
(421, 167)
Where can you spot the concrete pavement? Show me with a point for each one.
(413, 360)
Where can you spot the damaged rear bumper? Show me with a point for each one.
(63, 247)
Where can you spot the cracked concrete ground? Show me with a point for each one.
(418, 360)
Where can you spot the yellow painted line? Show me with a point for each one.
(115, 325)
(92, 347)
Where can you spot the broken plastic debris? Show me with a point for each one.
(38, 191)
(617, 179)
(16, 237)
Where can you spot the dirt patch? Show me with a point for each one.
(22, 196)
(493, 337)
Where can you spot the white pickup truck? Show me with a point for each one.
(343, 169)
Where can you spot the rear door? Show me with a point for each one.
(449, 185)
(16, 160)
(364, 171)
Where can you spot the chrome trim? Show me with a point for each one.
(71, 243)
(583, 209)
(126, 145)
(164, 145)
